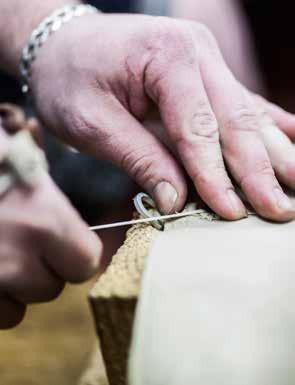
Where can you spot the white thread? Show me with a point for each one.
(147, 220)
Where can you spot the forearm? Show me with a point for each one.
(20, 17)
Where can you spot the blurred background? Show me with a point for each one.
(52, 345)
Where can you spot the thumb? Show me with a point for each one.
(283, 119)
(133, 148)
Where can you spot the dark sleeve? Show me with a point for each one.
(113, 5)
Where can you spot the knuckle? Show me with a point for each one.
(165, 30)
(141, 164)
(204, 125)
(203, 128)
(263, 168)
(171, 39)
(243, 118)
(170, 45)
(204, 178)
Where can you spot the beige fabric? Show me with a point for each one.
(23, 162)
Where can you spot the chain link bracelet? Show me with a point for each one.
(45, 29)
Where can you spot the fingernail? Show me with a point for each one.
(237, 205)
(165, 196)
(282, 200)
(96, 249)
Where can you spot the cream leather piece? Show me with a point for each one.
(217, 306)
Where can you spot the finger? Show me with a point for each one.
(30, 281)
(49, 221)
(24, 275)
(192, 126)
(280, 149)
(243, 148)
(119, 137)
(11, 313)
(70, 249)
(283, 119)
(13, 117)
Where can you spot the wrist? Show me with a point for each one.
(48, 27)
(15, 38)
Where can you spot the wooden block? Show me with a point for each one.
(114, 298)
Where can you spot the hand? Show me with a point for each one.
(95, 81)
(43, 244)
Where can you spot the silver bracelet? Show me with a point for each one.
(45, 29)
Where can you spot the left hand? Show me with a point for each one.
(43, 244)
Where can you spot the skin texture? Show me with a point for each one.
(23, 17)
(232, 32)
(44, 244)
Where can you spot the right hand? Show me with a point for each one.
(43, 244)
(95, 81)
